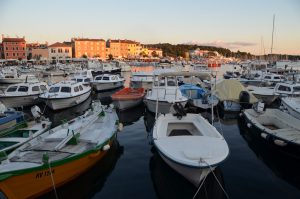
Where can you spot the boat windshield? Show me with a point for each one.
(65, 89)
(98, 78)
(43, 88)
(54, 90)
(12, 89)
(105, 78)
(23, 89)
(87, 80)
(35, 88)
(79, 80)
(297, 89)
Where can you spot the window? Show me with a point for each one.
(65, 89)
(59, 50)
(66, 50)
(80, 87)
(98, 78)
(54, 90)
(297, 89)
(23, 48)
(87, 80)
(284, 88)
(52, 50)
(76, 89)
(17, 54)
(105, 78)
(6, 48)
(79, 80)
(43, 88)
(276, 77)
(6, 54)
(14, 54)
(267, 77)
(23, 54)
(36, 88)
(17, 48)
(13, 48)
(12, 89)
(23, 89)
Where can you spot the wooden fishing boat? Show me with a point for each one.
(10, 120)
(59, 155)
(128, 97)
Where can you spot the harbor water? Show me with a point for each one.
(133, 168)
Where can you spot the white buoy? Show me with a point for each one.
(264, 135)
(120, 126)
(36, 112)
(249, 125)
(106, 147)
(280, 142)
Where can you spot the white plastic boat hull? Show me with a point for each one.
(268, 99)
(19, 101)
(125, 104)
(57, 104)
(11, 81)
(163, 106)
(292, 110)
(107, 86)
(193, 175)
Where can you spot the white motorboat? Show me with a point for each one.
(141, 79)
(65, 94)
(189, 144)
(23, 94)
(107, 82)
(11, 76)
(275, 127)
(287, 89)
(165, 91)
(292, 105)
(84, 76)
(266, 94)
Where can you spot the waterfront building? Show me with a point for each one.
(14, 48)
(1, 51)
(155, 52)
(91, 48)
(37, 51)
(124, 48)
(60, 51)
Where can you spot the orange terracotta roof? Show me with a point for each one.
(82, 39)
(57, 44)
(13, 40)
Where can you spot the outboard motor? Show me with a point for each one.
(244, 99)
(179, 110)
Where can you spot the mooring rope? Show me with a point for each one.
(52, 179)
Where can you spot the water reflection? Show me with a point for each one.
(169, 184)
(149, 120)
(105, 97)
(92, 181)
(56, 117)
(282, 165)
(129, 116)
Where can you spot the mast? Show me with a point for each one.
(273, 34)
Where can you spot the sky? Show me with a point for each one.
(234, 24)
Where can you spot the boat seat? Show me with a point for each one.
(179, 132)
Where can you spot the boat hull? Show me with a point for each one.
(11, 81)
(193, 175)
(163, 106)
(39, 181)
(125, 104)
(19, 101)
(57, 104)
(107, 86)
(291, 110)
(268, 99)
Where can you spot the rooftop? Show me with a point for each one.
(57, 44)
(86, 39)
(13, 40)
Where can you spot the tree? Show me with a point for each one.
(154, 54)
(84, 56)
(110, 57)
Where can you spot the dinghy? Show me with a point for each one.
(276, 127)
(59, 155)
(265, 94)
(10, 120)
(189, 144)
(128, 98)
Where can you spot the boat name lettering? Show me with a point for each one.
(44, 174)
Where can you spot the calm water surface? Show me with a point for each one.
(133, 169)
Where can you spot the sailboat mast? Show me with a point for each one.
(273, 33)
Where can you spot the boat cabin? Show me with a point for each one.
(66, 88)
(28, 88)
(107, 78)
(287, 89)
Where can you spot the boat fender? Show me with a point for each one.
(249, 125)
(264, 135)
(280, 142)
(241, 114)
(120, 126)
(106, 147)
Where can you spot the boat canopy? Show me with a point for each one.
(201, 75)
(230, 89)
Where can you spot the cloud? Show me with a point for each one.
(229, 45)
